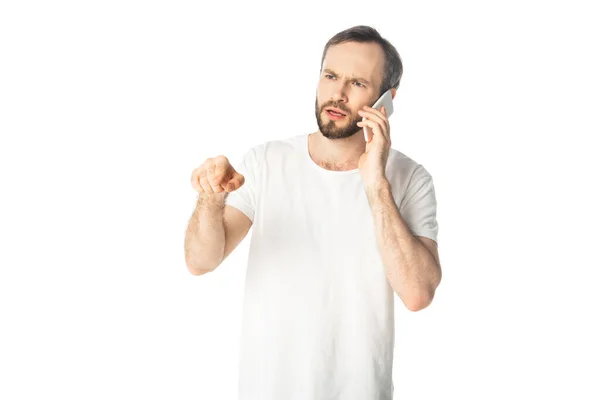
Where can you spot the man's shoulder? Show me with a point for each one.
(278, 147)
(400, 163)
(289, 142)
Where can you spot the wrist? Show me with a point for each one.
(377, 184)
(212, 199)
(378, 192)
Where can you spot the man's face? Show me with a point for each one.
(350, 79)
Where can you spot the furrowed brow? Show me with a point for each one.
(358, 78)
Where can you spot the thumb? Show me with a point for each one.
(236, 182)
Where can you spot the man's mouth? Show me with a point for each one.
(334, 114)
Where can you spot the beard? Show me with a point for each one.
(334, 129)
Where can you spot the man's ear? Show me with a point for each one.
(393, 92)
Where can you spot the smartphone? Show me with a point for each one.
(386, 101)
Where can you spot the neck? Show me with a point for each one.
(336, 154)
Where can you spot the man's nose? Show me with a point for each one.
(339, 93)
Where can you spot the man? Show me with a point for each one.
(340, 225)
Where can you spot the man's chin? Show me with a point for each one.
(338, 134)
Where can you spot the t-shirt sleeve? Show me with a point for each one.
(419, 206)
(244, 199)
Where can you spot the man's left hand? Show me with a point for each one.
(373, 161)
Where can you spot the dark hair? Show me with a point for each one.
(392, 68)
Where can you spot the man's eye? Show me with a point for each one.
(358, 83)
(328, 75)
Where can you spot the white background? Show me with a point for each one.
(107, 107)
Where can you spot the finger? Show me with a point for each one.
(210, 176)
(372, 118)
(375, 111)
(240, 178)
(231, 186)
(204, 182)
(376, 115)
(236, 182)
(221, 166)
(196, 180)
(375, 127)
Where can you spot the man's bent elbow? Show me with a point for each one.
(418, 301)
(198, 270)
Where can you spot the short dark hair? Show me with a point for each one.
(392, 68)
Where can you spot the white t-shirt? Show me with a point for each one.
(318, 316)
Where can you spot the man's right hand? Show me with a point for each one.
(216, 175)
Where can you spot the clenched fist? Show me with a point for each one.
(216, 175)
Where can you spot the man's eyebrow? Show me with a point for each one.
(358, 78)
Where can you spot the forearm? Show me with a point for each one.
(410, 268)
(205, 236)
